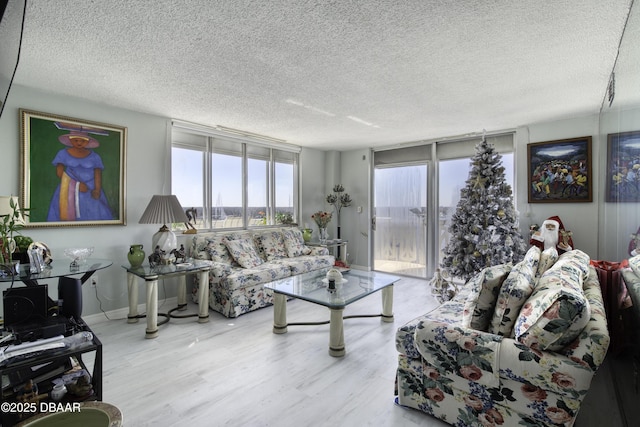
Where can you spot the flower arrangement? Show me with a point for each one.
(322, 219)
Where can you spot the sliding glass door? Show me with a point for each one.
(400, 219)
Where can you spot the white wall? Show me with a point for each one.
(355, 171)
(312, 186)
(145, 171)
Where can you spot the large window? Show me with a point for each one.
(233, 182)
(411, 219)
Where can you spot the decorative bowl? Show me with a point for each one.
(78, 254)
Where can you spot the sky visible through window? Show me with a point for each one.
(187, 176)
(187, 180)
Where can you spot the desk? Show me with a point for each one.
(151, 276)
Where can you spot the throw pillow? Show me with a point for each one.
(272, 244)
(483, 295)
(548, 257)
(514, 292)
(244, 252)
(294, 243)
(557, 310)
(217, 250)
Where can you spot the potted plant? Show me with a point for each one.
(22, 245)
(284, 218)
(10, 225)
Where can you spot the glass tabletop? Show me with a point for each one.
(191, 265)
(58, 268)
(313, 286)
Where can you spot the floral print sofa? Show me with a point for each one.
(245, 260)
(519, 346)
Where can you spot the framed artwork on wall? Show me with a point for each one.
(623, 167)
(72, 171)
(560, 171)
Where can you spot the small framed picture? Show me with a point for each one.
(560, 171)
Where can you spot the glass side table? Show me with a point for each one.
(333, 245)
(151, 276)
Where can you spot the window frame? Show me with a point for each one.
(210, 141)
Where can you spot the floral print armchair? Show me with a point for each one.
(631, 277)
(519, 347)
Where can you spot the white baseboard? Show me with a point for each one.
(122, 313)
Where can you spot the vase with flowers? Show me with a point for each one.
(322, 219)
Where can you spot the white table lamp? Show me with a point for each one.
(164, 210)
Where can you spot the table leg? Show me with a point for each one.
(152, 308)
(279, 313)
(387, 304)
(182, 292)
(336, 333)
(203, 297)
(132, 285)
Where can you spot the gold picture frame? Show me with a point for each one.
(72, 171)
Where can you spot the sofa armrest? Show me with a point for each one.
(220, 270)
(569, 371)
(547, 370)
(468, 353)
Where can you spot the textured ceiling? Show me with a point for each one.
(330, 74)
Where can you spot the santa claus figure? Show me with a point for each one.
(552, 233)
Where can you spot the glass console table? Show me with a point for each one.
(59, 268)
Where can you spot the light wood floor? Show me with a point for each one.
(236, 372)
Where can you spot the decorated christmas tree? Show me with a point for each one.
(484, 228)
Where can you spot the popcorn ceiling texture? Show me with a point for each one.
(330, 74)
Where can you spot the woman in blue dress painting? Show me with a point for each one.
(79, 197)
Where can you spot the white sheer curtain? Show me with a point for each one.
(400, 209)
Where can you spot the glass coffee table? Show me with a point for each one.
(313, 287)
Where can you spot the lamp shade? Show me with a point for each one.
(163, 210)
(6, 209)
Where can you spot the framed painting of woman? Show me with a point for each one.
(73, 171)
